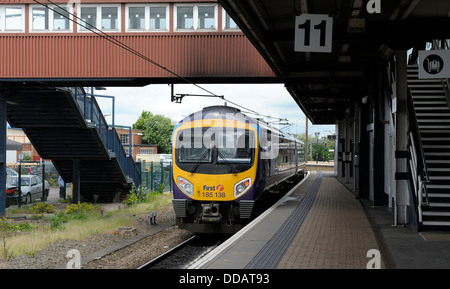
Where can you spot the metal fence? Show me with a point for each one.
(156, 176)
(46, 170)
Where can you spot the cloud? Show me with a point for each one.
(267, 99)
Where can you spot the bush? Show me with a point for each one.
(136, 196)
(81, 209)
(42, 208)
(72, 212)
(56, 222)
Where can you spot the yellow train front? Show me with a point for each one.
(222, 162)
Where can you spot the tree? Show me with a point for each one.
(140, 122)
(156, 129)
(318, 147)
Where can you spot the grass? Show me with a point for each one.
(35, 241)
(68, 227)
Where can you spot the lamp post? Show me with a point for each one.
(19, 181)
(317, 146)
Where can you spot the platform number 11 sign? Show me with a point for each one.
(313, 33)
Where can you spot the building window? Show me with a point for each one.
(12, 18)
(146, 151)
(40, 18)
(110, 18)
(185, 17)
(50, 19)
(195, 17)
(158, 16)
(206, 17)
(61, 19)
(228, 22)
(136, 16)
(147, 17)
(102, 17)
(124, 139)
(89, 17)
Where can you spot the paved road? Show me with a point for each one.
(53, 195)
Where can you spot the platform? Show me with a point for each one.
(318, 224)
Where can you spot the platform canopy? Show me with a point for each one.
(327, 84)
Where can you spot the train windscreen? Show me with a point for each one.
(215, 145)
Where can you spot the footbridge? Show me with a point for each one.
(66, 125)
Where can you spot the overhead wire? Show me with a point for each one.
(79, 21)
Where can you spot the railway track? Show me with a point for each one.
(166, 254)
(192, 249)
(185, 253)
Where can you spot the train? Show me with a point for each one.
(224, 162)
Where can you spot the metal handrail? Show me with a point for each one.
(418, 141)
(92, 113)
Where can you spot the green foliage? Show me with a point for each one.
(80, 209)
(7, 227)
(7, 230)
(136, 196)
(160, 188)
(156, 129)
(56, 222)
(73, 212)
(43, 208)
(140, 122)
(317, 146)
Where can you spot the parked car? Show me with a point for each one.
(31, 186)
(12, 190)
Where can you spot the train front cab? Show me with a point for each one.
(215, 186)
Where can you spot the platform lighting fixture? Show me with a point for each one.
(356, 25)
(365, 99)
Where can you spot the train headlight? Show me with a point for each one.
(242, 186)
(186, 186)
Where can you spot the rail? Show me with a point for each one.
(443, 44)
(159, 258)
(418, 163)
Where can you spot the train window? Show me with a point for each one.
(191, 147)
(232, 146)
(236, 146)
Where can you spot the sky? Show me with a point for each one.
(266, 99)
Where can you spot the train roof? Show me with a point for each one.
(222, 111)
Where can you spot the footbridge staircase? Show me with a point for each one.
(67, 126)
(430, 147)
